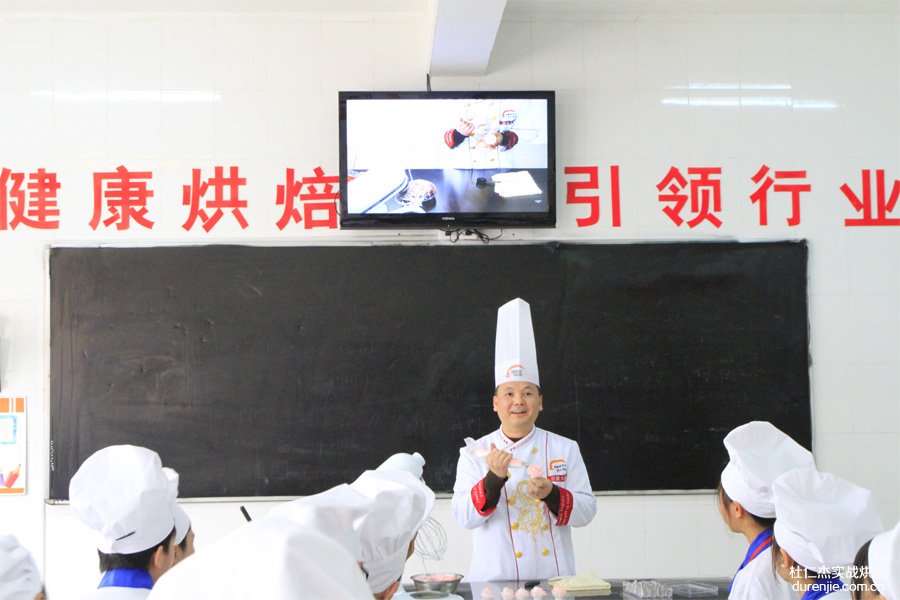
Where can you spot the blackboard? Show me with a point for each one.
(275, 371)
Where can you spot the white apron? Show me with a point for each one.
(521, 539)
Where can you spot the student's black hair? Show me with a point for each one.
(776, 556)
(768, 523)
(861, 579)
(183, 543)
(136, 560)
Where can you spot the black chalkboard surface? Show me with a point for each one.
(262, 371)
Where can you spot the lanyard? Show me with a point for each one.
(823, 587)
(762, 541)
(127, 578)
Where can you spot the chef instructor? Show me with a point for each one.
(520, 488)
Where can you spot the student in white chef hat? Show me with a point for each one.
(822, 521)
(758, 453)
(336, 512)
(19, 575)
(122, 494)
(876, 570)
(270, 559)
(184, 533)
(401, 503)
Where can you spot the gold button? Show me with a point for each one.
(545, 552)
(534, 450)
(545, 527)
(518, 555)
(515, 525)
(511, 501)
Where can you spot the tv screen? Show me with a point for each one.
(447, 159)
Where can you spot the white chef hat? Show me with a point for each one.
(337, 512)
(268, 558)
(515, 357)
(822, 519)
(182, 520)
(411, 463)
(759, 452)
(401, 504)
(19, 575)
(122, 494)
(884, 562)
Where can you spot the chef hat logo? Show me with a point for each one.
(508, 117)
(515, 371)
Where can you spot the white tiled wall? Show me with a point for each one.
(88, 92)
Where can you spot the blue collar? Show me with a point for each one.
(762, 541)
(823, 587)
(127, 578)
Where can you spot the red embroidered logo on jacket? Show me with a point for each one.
(558, 470)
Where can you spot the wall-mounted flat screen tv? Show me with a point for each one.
(447, 159)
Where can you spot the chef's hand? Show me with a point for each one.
(498, 462)
(539, 487)
(466, 128)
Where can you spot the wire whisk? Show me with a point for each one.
(431, 541)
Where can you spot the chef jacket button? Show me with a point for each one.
(545, 527)
(534, 450)
(515, 526)
(518, 554)
(511, 501)
(545, 552)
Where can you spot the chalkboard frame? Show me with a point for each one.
(464, 288)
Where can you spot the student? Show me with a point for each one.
(401, 502)
(876, 570)
(268, 559)
(19, 575)
(822, 521)
(122, 494)
(758, 453)
(336, 513)
(521, 521)
(184, 534)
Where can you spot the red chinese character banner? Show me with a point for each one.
(690, 197)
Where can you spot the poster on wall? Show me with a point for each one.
(12, 446)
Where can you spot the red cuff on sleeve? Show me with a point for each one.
(479, 497)
(566, 502)
(449, 138)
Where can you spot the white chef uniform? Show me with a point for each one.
(19, 575)
(272, 559)
(759, 452)
(520, 538)
(526, 118)
(822, 521)
(123, 495)
(884, 563)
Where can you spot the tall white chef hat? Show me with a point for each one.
(822, 519)
(515, 357)
(884, 562)
(401, 503)
(19, 575)
(268, 558)
(337, 513)
(759, 452)
(122, 494)
(182, 520)
(411, 463)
